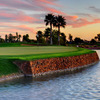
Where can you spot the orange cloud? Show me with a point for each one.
(55, 11)
(47, 2)
(25, 28)
(46, 6)
(20, 16)
(13, 28)
(72, 18)
(26, 18)
(82, 22)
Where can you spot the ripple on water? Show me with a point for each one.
(84, 85)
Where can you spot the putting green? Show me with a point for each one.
(35, 50)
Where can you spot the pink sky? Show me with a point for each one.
(27, 16)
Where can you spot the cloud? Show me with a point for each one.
(25, 28)
(93, 8)
(16, 28)
(40, 27)
(26, 12)
(55, 11)
(18, 10)
(84, 15)
(82, 22)
(21, 7)
(18, 16)
(37, 5)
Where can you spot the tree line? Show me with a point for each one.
(45, 37)
(50, 36)
(55, 21)
(10, 38)
(78, 40)
(56, 36)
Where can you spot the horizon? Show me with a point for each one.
(27, 17)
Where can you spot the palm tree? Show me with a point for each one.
(0, 38)
(98, 37)
(60, 21)
(6, 38)
(49, 19)
(70, 38)
(19, 37)
(47, 34)
(39, 36)
(14, 38)
(10, 37)
(63, 38)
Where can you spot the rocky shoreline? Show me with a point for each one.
(41, 66)
(64, 71)
(45, 67)
(11, 77)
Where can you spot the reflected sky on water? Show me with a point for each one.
(83, 85)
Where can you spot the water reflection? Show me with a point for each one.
(83, 85)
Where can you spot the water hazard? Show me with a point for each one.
(84, 85)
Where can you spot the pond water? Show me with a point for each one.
(83, 85)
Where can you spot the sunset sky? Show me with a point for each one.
(27, 16)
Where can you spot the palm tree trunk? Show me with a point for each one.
(58, 35)
(51, 42)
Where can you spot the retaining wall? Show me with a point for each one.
(42, 66)
(11, 76)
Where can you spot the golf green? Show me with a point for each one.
(35, 50)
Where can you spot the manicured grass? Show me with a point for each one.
(10, 54)
(14, 44)
(10, 44)
(35, 50)
(7, 67)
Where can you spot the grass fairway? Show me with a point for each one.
(9, 54)
(35, 50)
